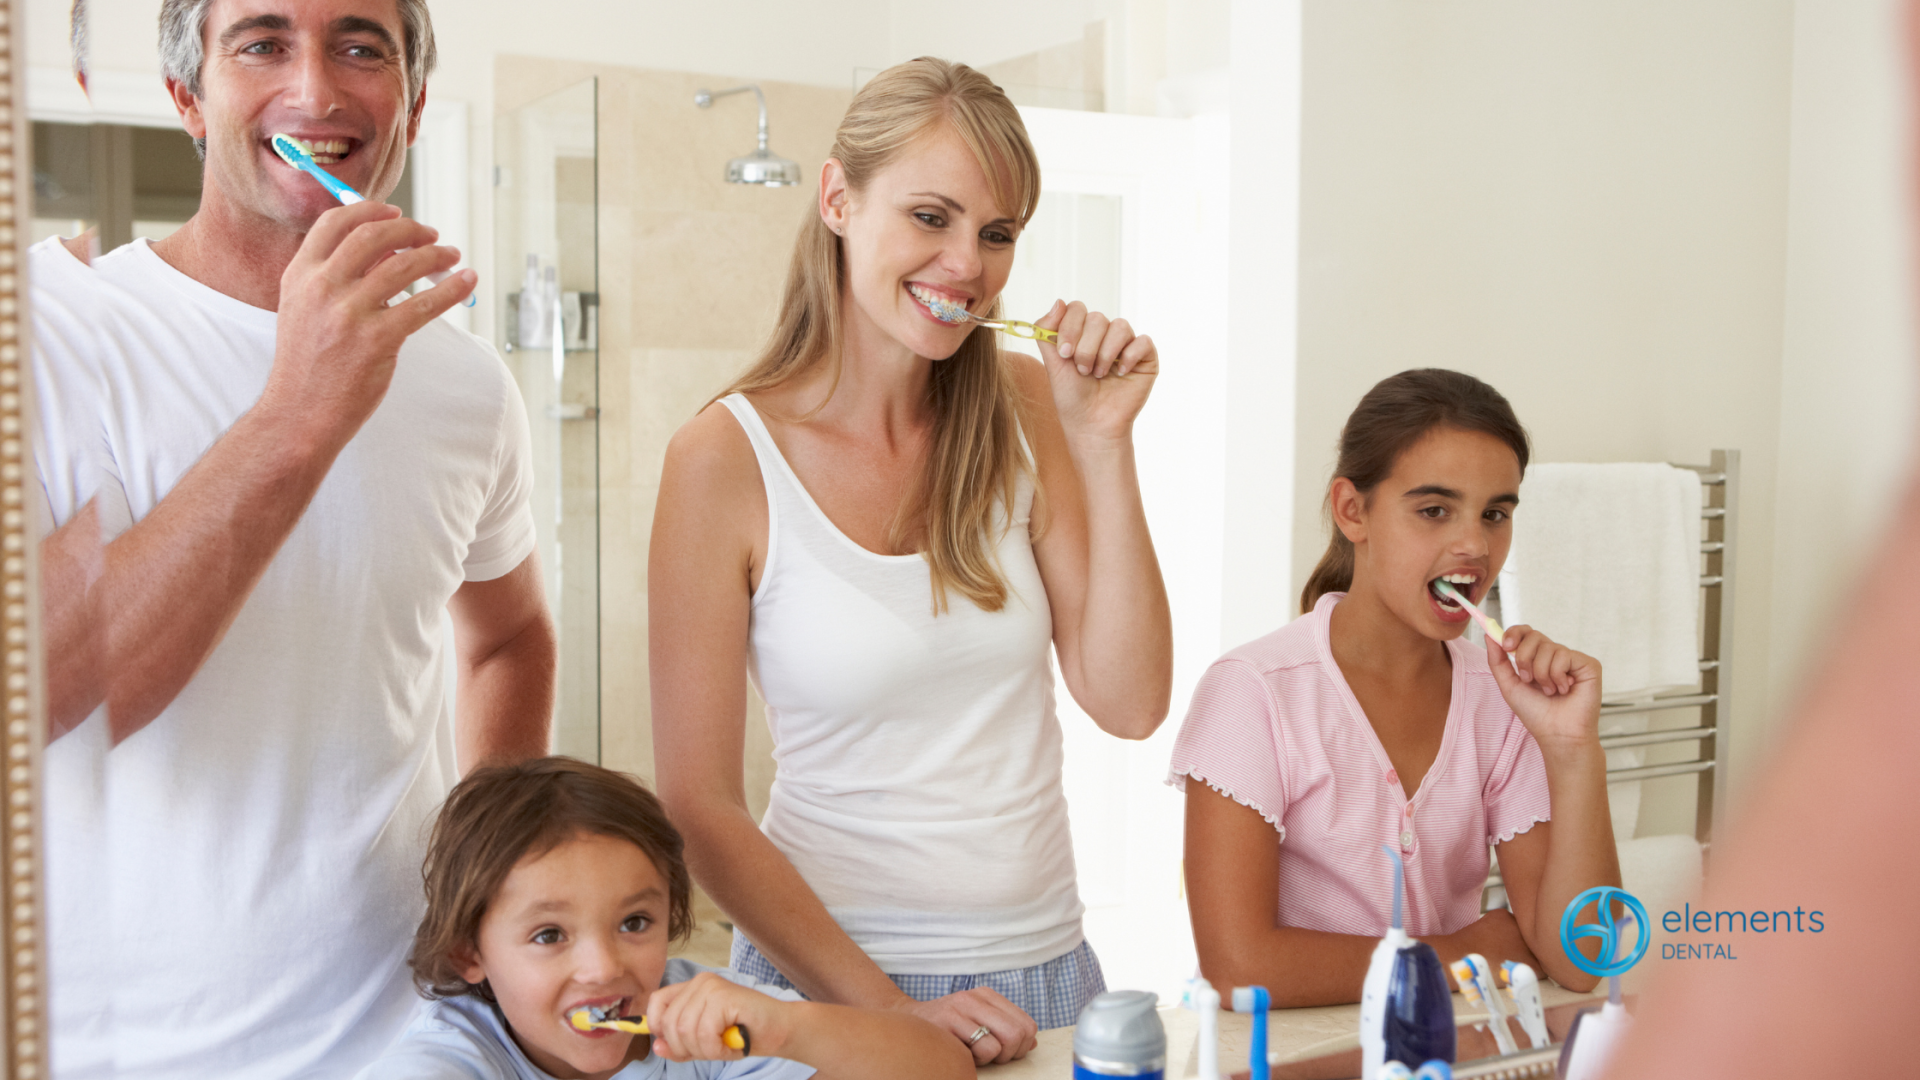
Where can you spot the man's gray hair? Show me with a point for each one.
(183, 25)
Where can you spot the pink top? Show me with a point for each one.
(1275, 727)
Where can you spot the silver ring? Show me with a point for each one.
(979, 1033)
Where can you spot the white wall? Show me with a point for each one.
(1660, 228)
(1847, 382)
(1263, 302)
(1173, 242)
(1585, 204)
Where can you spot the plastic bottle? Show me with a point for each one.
(1120, 1034)
(532, 313)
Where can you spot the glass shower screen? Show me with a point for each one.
(546, 320)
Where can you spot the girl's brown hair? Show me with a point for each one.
(1397, 413)
(499, 816)
(976, 458)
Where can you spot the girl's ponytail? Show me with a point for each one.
(1333, 574)
(1397, 413)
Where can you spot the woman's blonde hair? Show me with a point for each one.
(976, 458)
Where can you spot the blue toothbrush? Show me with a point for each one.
(294, 154)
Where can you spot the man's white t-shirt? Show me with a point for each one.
(262, 837)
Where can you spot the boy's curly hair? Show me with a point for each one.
(499, 816)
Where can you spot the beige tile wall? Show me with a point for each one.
(1069, 76)
(690, 273)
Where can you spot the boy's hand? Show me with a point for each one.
(688, 1019)
(1555, 691)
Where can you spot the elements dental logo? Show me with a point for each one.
(1701, 921)
(1609, 962)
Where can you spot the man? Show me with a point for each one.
(295, 481)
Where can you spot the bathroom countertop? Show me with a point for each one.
(1296, 1034)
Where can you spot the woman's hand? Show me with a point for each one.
(1555, 691)
(1100, 370)
(1011, 1033)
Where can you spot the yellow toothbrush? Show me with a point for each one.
(949, 312)
(593, 1017)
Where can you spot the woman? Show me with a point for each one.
(887, 521)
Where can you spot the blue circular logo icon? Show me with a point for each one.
(1609, 963)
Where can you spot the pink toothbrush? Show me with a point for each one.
(1446, 591)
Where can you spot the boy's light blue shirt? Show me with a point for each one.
(465, 1038)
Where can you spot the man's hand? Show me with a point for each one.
(338, 339)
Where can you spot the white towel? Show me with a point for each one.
(1606, 559)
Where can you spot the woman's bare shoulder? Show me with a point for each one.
(712, 456)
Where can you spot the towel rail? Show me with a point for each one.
(1658, 704)
(1720, 488)
(1653, 772)
(1621, 742)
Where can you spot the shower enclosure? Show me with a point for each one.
(546, 291)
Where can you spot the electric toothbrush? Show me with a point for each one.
(294, 152)
(1255, 1001)
(1476, 982)
(1525, 986)
(1406, 1009)
(1202, 998)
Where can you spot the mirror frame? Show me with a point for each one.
(22, 944)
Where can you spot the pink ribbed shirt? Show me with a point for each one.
(1274, 725)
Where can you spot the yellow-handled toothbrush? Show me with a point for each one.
(1016, 328)
(947, 311)
(592, 1017)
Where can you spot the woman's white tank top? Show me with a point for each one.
(917, 782)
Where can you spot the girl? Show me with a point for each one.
(1368, 721)
(858, 524)
(555, 885)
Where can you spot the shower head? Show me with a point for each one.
(763, 166)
